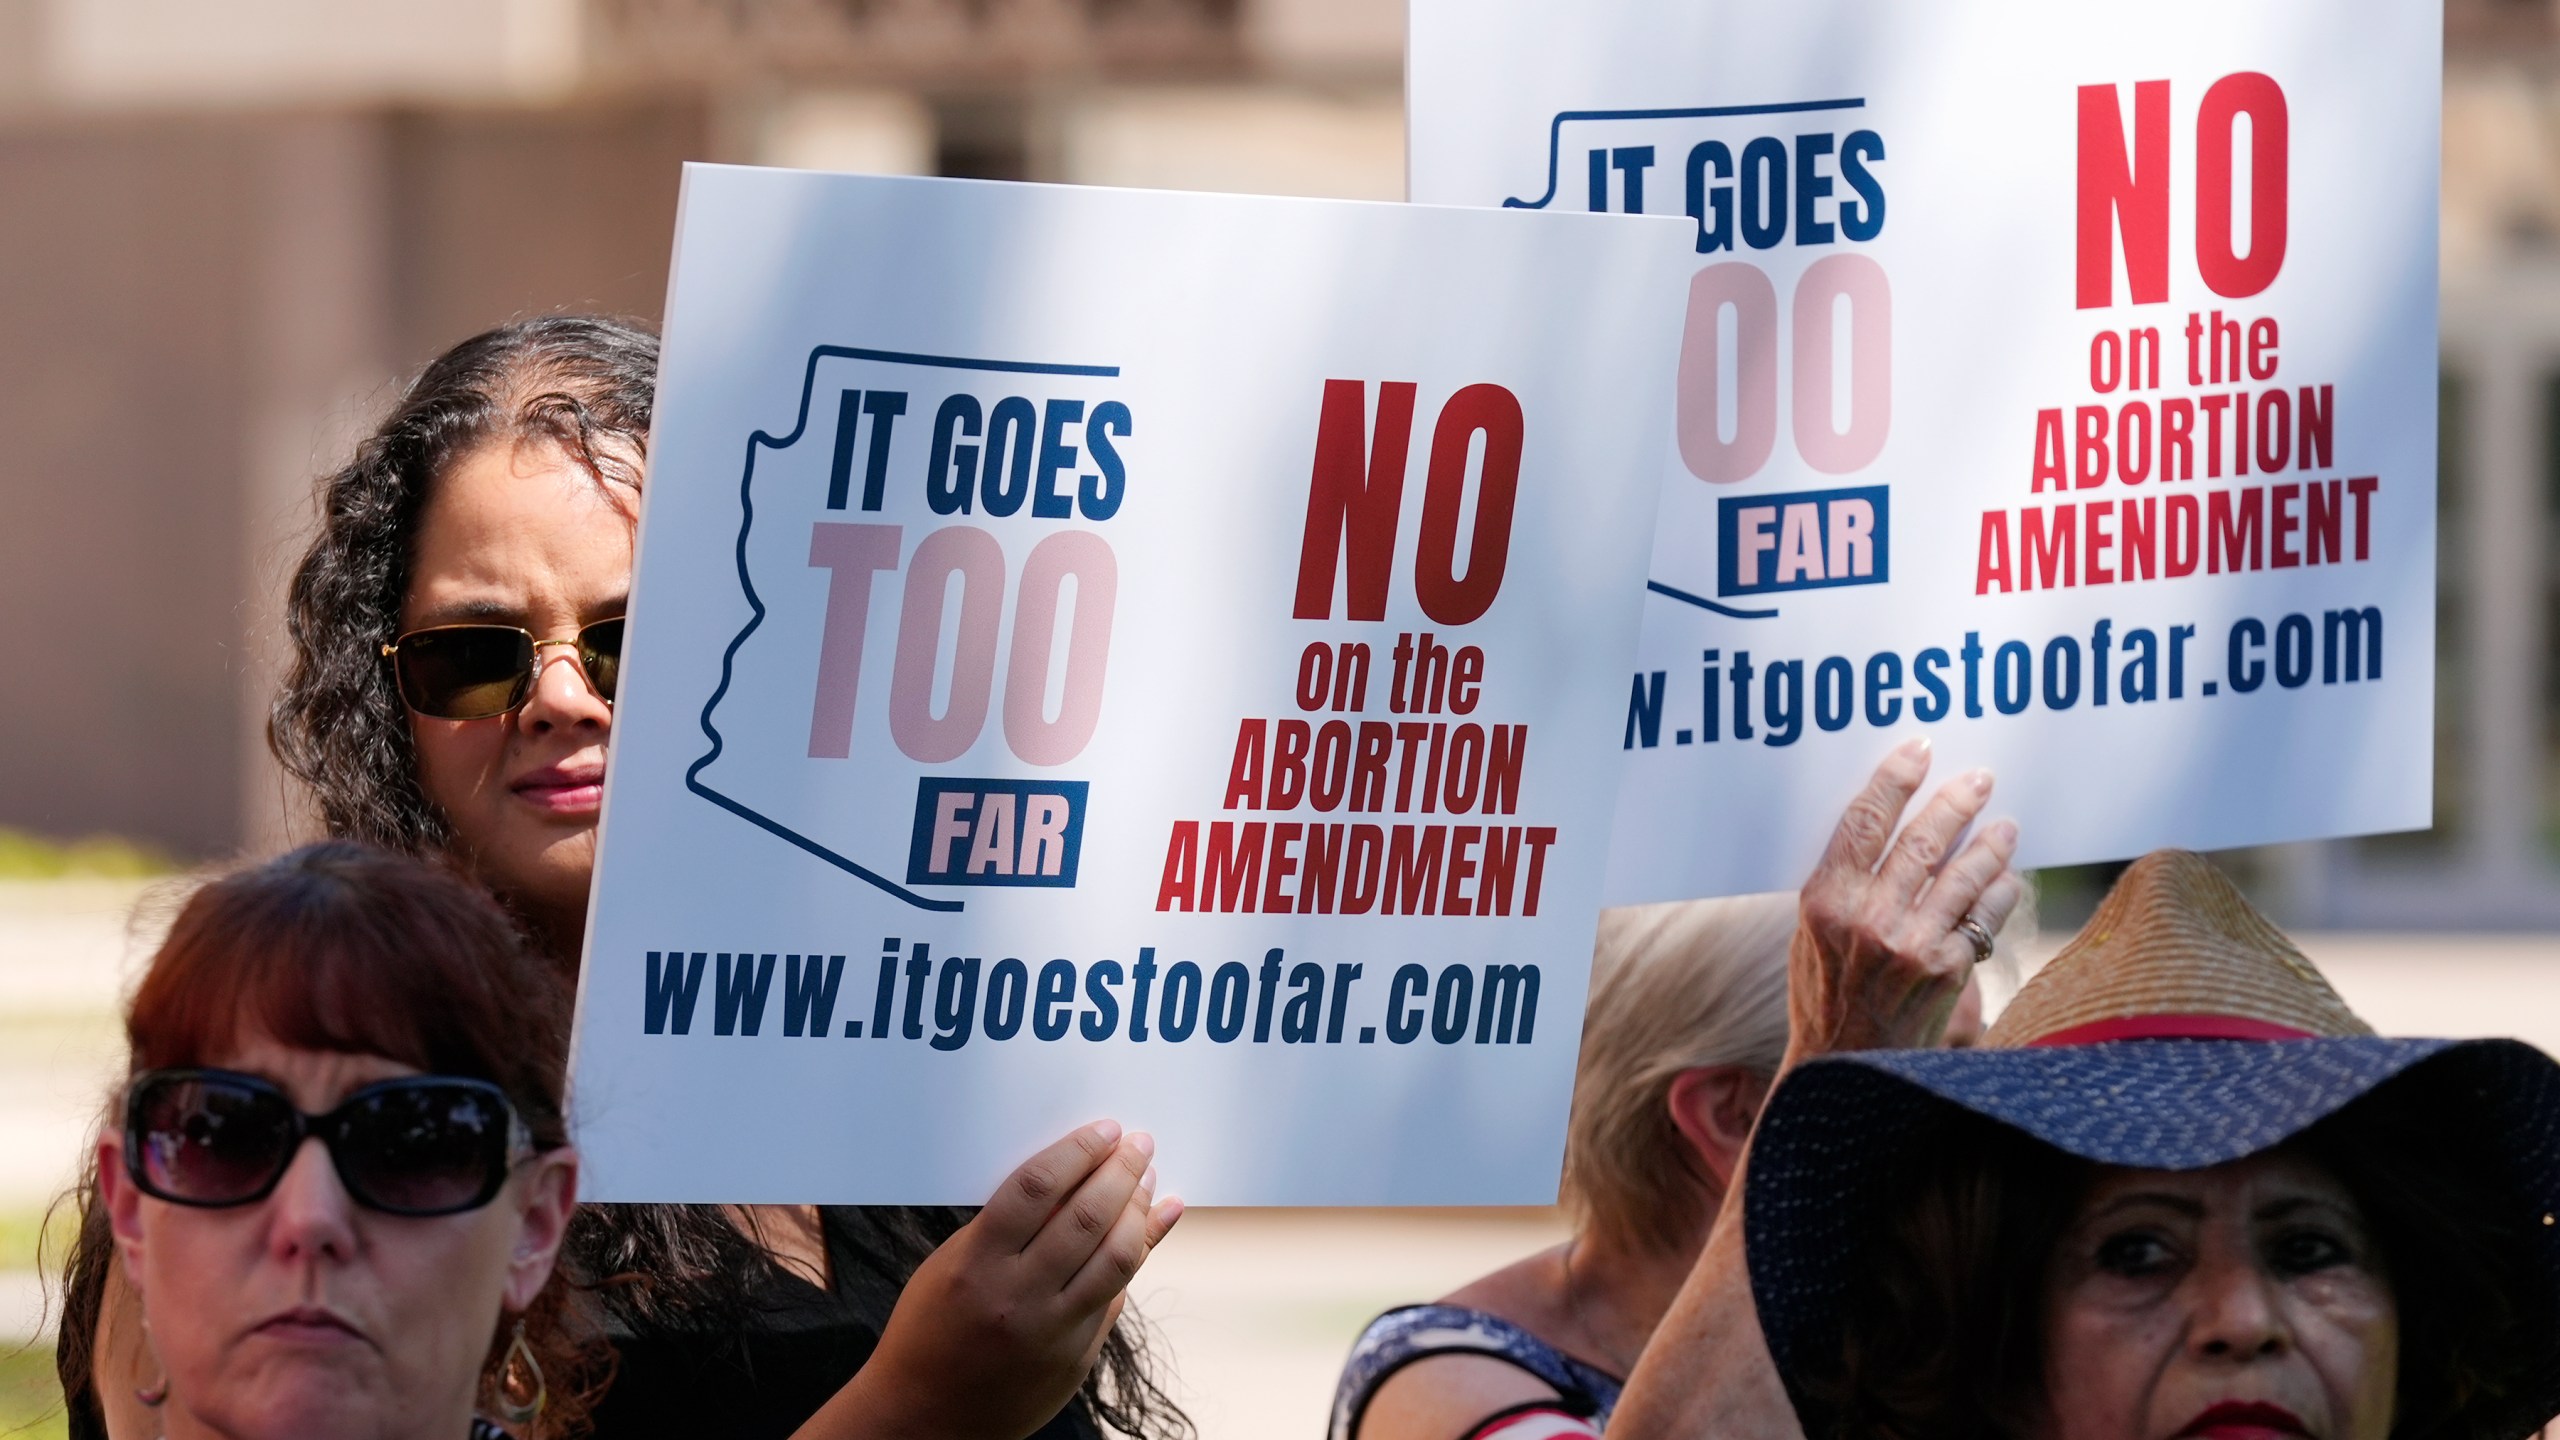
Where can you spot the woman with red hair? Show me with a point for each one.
(342, 1174)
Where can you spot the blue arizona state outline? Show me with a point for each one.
(755, 603)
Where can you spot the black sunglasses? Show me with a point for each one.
(418, 1145)
(472, 672)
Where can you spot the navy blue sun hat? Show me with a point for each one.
(2178, 1031)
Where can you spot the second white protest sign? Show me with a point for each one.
(2058, 380)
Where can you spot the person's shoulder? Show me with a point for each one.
(1451, 1394)
(1431, 1372)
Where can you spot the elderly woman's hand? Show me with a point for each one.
(998, 1328)
(1878, 962)
(1879, 959)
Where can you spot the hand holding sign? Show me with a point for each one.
(996, 1330)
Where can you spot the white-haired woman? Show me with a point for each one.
(1687, 1026)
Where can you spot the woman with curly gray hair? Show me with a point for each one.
(456, 629)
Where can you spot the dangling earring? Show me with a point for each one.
(156, 1394)
(521, 1391)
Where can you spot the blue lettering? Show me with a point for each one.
(1057, 458)
(952, 474)
(1811, 186)
(1099, 495)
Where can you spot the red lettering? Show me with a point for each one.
(2232, 275)
(2095, 540)
(1991, 559)
(1181, 865)
(1360, 869)
(2050, 470)
(1355, 499)
(2213, 406)
(2361, 491)
(1454, 899)
(1230, 874)
(2240, 433)
(1501, 866)
(1289, 765)
(1282, 866)
(1466, 677)
(2313, 411)
(2125, 192)
(2091, 452)
(1369, 765)
(2281, 551)
(1330, 771)
(2263, 335)
(2275, 430)
(2047, 554)
(1502, 761)
(2186, 528)
(1540, 837)
(1323, 868)
(2140, 549)
(2320, 533)
(2177, 446)
(1493, 412)
(1244, 772)
(2233, 539)
(2133, 438)
(1413, 870)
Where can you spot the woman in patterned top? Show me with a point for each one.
(1687, 1025)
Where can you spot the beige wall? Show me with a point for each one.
(1261, 139)
(120, 528)
(199, 315)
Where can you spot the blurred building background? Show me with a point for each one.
(228, 230)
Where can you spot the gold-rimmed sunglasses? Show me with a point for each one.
(474, 672)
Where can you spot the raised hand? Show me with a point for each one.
(997, 1328)
(1879, 957)
(1879, 960)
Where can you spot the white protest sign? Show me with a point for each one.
(2057, 381)
(1114, 653)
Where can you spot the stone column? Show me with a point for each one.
(2500, 550)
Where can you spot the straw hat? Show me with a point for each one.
(2179, 1030)
(2175, 951)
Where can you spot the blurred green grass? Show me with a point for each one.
(41, 1234)
(25, 856)
(30, 1396)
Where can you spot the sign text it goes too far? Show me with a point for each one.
(1813, 191)
(991, 457)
